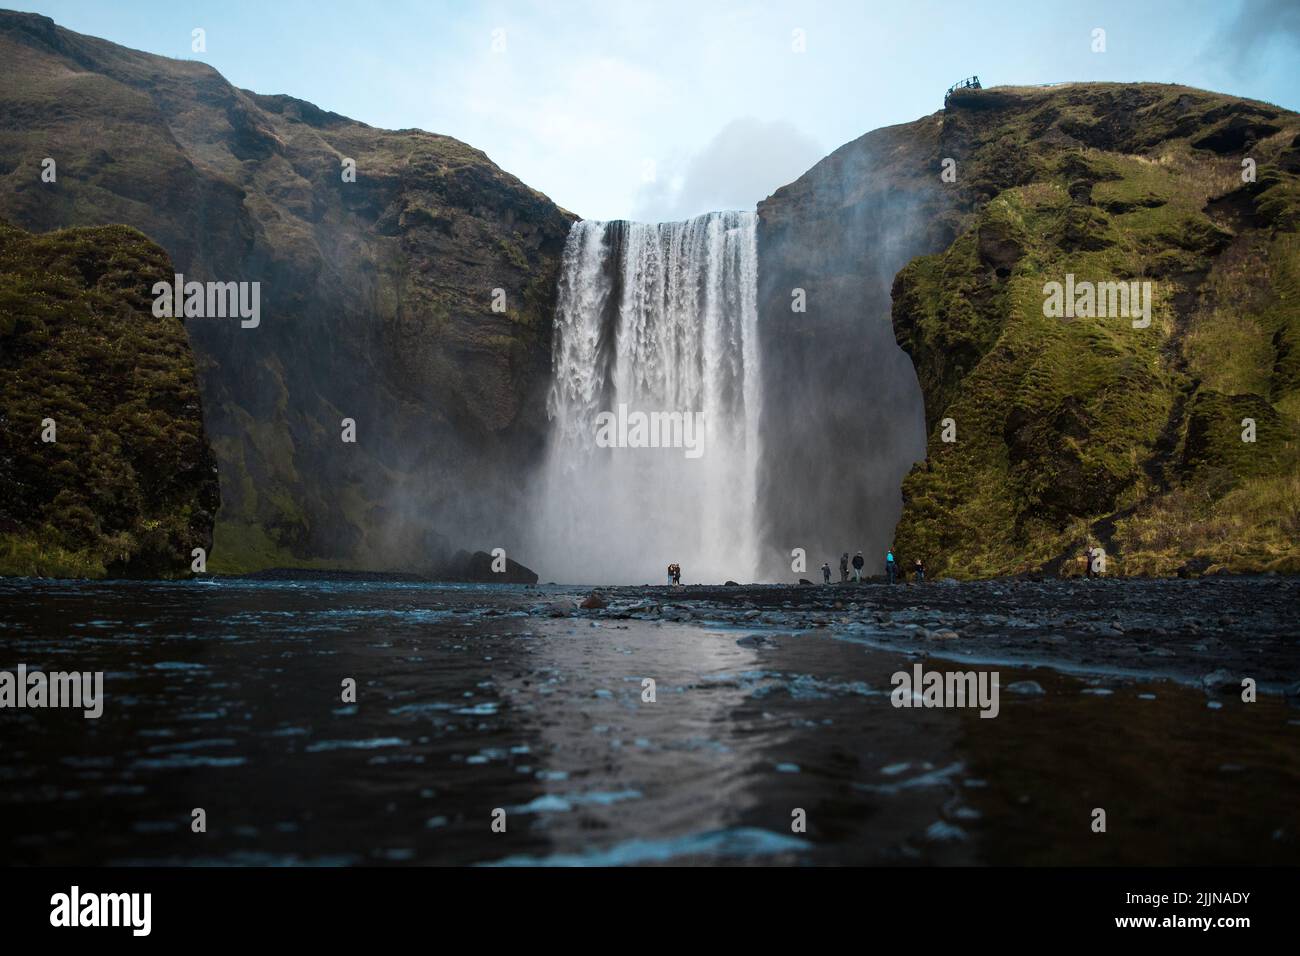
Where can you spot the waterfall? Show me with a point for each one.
(653, 320)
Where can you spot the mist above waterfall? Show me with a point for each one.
(843, 417)
(654, 321)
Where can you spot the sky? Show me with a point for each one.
(658, 110)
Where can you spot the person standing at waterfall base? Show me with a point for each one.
(826, 572)
(844, 568)
(919, 570)
(675, 574)
(891, 566)
(1090, 561)
(857, 567)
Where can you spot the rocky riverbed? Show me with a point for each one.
(1203, 632)
(747, 724)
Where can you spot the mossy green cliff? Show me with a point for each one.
(1088, 430)
(104, 464)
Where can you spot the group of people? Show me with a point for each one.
(891, 568)
(856, 563)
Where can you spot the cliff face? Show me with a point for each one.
(1073, 428)
(376, 295)
(1036, 432)
(842, 414)
(104, 464)
(1065, 430)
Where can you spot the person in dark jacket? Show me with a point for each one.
(919, 569)
(857, 567)
(826, 572)
(844, 568)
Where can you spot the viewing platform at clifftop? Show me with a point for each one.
(970, 83)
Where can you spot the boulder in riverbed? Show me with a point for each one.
(477, 568)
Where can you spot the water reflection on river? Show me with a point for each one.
(227, 697)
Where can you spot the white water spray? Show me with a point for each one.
(661, 319)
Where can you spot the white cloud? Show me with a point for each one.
(745, 162)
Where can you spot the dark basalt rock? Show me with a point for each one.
(1235, 136)
(999, 247)
(477, 568)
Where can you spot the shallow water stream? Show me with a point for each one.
(226, 696)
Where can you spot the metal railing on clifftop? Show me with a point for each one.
(970, 83)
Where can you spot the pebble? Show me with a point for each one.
(1219, 680)
(1026, 687)
(941, 832)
